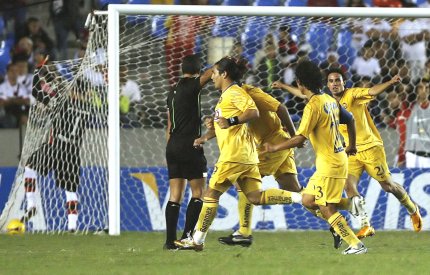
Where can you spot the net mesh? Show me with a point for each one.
(370, 51)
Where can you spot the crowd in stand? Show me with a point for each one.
(369, 51)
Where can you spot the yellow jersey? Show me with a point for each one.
(319, 124)
(235, 143)
(268, 127)
(355, 100)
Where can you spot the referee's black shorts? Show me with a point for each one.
(184, 161)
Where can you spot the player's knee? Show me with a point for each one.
(309, 202)
(254, 197)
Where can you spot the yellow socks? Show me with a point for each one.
(275, 196)
(408, 204)
(206, 217)
(339, 224)
(245, 214)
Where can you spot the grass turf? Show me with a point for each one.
(303, 252)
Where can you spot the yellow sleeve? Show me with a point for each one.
(264, 101)
(309, 120)
(242, 101)
(361, 95)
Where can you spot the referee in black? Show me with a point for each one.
(184, 161)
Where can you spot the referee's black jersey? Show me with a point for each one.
(183, 102)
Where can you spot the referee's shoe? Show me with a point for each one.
(236, 239)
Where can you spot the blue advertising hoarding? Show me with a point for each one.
(144, 194)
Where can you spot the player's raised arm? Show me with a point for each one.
(347, 118)
(205, 77)
(291, 89)
(377, 89)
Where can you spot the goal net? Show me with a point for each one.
(145, 61)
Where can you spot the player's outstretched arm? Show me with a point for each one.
(205, 77)
(245, 117)
(296, 141)
(377, 89)
(291, 89)
(285, 118)
(347, 118)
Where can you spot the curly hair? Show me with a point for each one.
(309, 75)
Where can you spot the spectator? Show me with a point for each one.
(286, 45)
(366, 65)
(130, 98)
(38, 35)
(427, 70)
(24, 77)
(414, 34)
(269, 39)
(14, 10)
(14, 100)
(418, 129)
(332, 62)
(268, 71)
(237, 51)
(25, 47)
(181, 39)
(291, 62)
(65, 16)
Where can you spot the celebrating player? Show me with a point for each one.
(320, 121)
(267, 128)
(184, 161)
(238, 155)
(371, 154)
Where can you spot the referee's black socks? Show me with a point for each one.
(193, 211)
(172, 215)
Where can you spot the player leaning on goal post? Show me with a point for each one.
(370, 149)
(61, 154)
(184, 161)
(238, 155)
(319, 124)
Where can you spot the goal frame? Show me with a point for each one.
(116, 10)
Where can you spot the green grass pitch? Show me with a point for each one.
(302, 252)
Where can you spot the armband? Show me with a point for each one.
(233, 121)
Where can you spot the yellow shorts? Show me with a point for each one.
(373, 161)
(326, 190)
(277, 163)
(226, 173)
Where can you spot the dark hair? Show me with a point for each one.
(235, 68)
(309, 75)
(336, 70)
(191, 64)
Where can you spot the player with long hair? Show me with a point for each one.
(238, 160)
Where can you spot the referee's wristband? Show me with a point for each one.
(233, 120)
